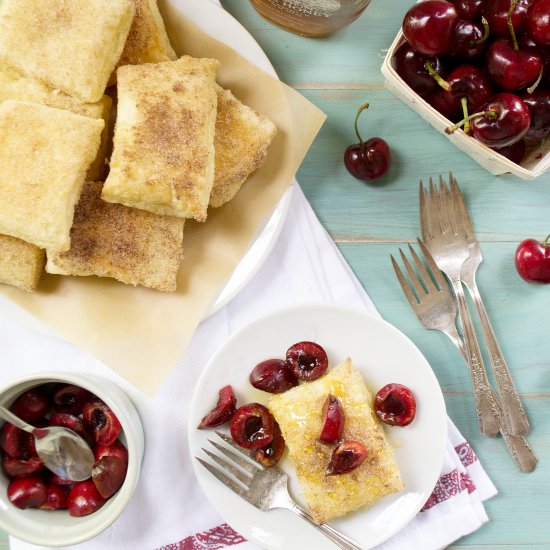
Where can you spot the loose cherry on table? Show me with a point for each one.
(538, 22)
(411, 67)
(533, 260)
(502, 121)
(367, 160)
(428, 26)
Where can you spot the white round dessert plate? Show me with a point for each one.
(384, 355)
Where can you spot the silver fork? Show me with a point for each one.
(445, 238)
(436, 309)
(513, 413)
(264, 488)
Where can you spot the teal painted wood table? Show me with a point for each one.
(368, 222)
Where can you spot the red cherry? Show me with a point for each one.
(346, 457)
(513, 68)
(108, 475)
(533, 261)
(538, 102)
(56, 498)
(70, 399)
(252, 426)
(333, 420)
(56, 480)
(514, 152)
(116, 449)
(469, 9)
(272, 376)
(369, 160)
(469, 40)
(84, 499)
(496, 12)
(68, 421)
(510, 124)
(428, 26)
(538, 22)
(27, 492)
(222, 412)
(394, 404)
(31, 405)
(101, 422)
(16, 443)
(15, 467)
(411, 67)
(270, 455)
(307, 360)
(444, 103)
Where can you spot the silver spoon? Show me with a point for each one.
(61, 450)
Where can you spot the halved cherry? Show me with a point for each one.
(70, 399)
(70, 421)
(27, 492)
(84, 499)
(16, 467)
(31, 405)
(101, 422)
(333, 423)
(395, 405)
(16, 443)
(56, 480)
(116, 449)
(349, 455)
(56, 498)
(307, 360)
(108, 475)
(272, 376)
(270, 455)
(222, 412)
(252, 426)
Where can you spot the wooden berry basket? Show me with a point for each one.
(536, 160)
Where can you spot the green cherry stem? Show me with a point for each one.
(513, 5)
(533, 87)
(464, 103)
(359, 111)
(452, 129)
(486, 34)
(441, 81)
(546, 241)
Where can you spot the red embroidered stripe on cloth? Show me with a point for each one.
(447, 486)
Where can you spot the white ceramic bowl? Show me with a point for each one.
(58, 528)
(535, 163)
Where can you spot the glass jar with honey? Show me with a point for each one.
(311, 17)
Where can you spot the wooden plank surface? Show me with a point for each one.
(368, 222)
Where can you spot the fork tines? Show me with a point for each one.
(242, 467)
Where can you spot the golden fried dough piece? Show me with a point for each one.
(21, 263)
(241, 142)
(147, 41)
(44, 155)
(112, 240)
(72, 45)
(163, 151)
(299, 414)
(16, 86)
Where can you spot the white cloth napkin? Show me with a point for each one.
(168, 509)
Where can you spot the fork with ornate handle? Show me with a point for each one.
(436, 310)
(446, 241)
(513, 412)
(264, 488)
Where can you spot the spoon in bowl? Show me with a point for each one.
(61, 450)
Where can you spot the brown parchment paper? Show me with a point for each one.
(141, 333)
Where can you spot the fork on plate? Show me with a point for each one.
(430, 297)
(264, 488)
(444, 236)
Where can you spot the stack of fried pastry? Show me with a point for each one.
(181, 143)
